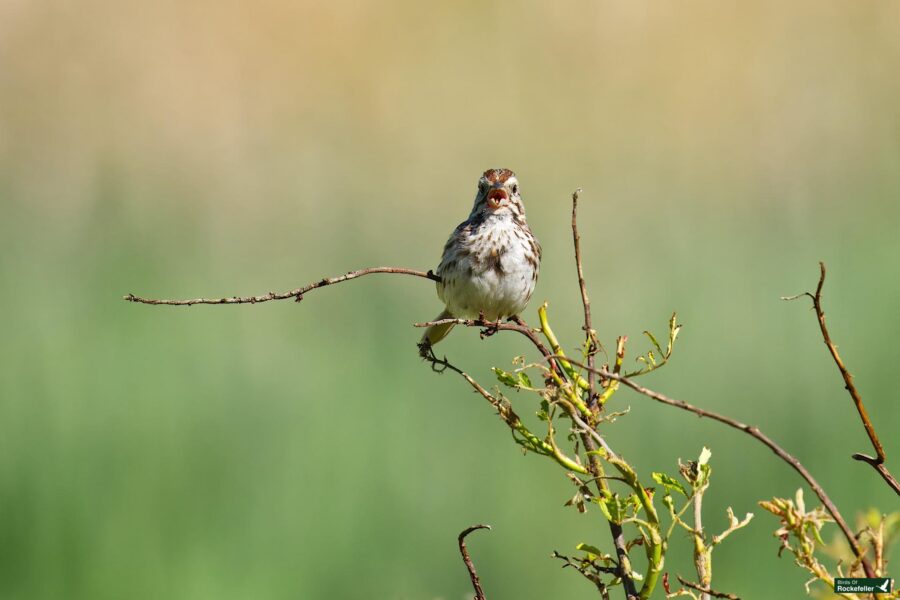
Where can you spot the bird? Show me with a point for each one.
(491, 261)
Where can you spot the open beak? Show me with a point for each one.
(496, 197)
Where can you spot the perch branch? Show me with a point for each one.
(297, 294)
(764, 439)
(491, 327)
(473, 575)
(877, 461)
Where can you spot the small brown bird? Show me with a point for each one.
(491, 261)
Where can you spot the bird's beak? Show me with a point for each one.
(496, 197)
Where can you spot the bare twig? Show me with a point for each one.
(877, 461)
(706, 590)
(761, 437)
(479, 593)
(582, 566)
(593, 344)
(297, 294)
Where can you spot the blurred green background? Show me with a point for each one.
(177, 149)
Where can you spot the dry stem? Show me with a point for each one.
(473, 575)
(705, 590)
(877, 461)
(593, 344)
(297, 294)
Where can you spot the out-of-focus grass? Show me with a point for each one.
(289, 450)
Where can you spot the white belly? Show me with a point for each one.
(493, 273)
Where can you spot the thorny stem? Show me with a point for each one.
(585, 302)
(588, 436)
(765, 440)
(618, 535)
(877, 461)
(470, 567)
(592, 577)
(297, 294)
(653, 542)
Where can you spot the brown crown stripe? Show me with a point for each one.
(498, 175)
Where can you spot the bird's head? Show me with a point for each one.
(498, 195)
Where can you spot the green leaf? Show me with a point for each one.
(524, 380)
(614, 508)
(595, 551)
(670, 483)
(674, 329)
(507, 379)
(544, 413)
(604, 508)
(635, 502)
(653, 340)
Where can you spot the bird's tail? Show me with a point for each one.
(436, 333)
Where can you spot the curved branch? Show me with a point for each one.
(297, 294)
(476, 583)
(491, 327)
(764, 439)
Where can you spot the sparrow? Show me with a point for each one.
(490, 264)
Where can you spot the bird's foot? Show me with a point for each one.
(427, 353)
(490, 327)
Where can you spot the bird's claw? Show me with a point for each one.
(490, 327)
(427, 353)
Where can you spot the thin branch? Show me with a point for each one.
(876, 461)
(479, 593)
(582, 567)
(585, 428)
(883, 471)
(489, 328)
(297, 294)
(585, 301)
(764, 439)
(706, 590)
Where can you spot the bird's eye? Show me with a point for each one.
(515, 188)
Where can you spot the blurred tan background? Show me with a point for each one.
(303, 451)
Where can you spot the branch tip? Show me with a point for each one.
(470, 567)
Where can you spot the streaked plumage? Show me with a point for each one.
(491, 261)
